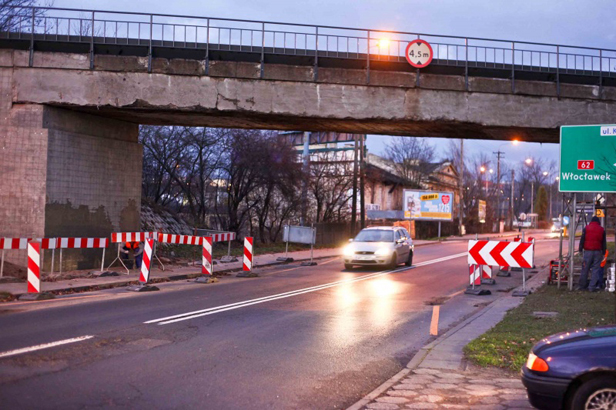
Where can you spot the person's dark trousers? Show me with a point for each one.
(592, 262)
(596, 278)
(138, 259)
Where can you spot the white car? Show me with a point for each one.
(380, 245)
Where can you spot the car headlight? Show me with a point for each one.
(383, 252)
(348, 250)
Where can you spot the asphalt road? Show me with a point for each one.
(296, 337)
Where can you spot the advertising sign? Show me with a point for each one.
(481, 211)
(427, 205)
(587, 158)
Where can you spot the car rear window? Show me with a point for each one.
(375, 235)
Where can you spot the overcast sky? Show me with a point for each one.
(569, 22)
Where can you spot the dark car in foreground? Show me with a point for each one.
(573, 370)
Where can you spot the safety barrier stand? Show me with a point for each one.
(122, 237)
(525, 292)
(475, 272)
(144, 276)
(487, 275)
(207, 268)
(248, 260)
(11, 243)
(220, 236)
(34, 274)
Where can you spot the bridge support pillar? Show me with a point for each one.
(66, 173)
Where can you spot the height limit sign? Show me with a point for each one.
(419, 53)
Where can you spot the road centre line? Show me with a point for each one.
(237, 305)
(44, 346)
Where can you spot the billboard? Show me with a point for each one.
(481, 211)
(427, 205)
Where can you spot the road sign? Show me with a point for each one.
(419, 53)
(587, 158)
(565, 220)
(600, 213)
(497, 253)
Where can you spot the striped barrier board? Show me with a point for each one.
(475, 275)
(223, 237)
(34, 267)
(247, 254)
(206, 264)
(501, 253)
(147, 261)
(117, 237)
(180, 239)
(22, 243)
(76, 243)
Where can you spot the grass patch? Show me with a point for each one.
(507, 344)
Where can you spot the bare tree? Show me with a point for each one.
(16, 15)
(330, 187)
(410, 156)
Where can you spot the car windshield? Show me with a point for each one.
(375, 235)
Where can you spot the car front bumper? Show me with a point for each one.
(545, 392)
(367, 260)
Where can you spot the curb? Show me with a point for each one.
(419, 357)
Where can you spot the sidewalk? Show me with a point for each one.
(438, 377)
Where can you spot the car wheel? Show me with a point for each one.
(597, 393)
(393, 262)
(347, 266)
(409, 262)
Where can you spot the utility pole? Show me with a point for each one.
(306, 157)
(461, 185)
(362, 177)
(499, 154)
(354, 199)
(511, 200)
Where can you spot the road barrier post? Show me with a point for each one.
(248, 260)
(144, 275)
(207, 268)
(34, 274)
(475, 282)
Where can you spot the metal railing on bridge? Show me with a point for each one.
(96, 27)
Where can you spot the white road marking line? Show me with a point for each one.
(237, 305)
(44, 346)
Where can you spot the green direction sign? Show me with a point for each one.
(588, 158)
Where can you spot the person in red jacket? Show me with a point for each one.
(594, 245)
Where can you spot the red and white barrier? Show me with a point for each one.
(123, 237)
(486, 272)
(22, 243)
(34, 267)
(223, 237)
(501, 253)
(77, 243)
(14, 243)
(180, 239)
(118, 237)
(475, 275)
(206, 263)
(247, 254)
(147, 261)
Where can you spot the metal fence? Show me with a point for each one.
(96, 27)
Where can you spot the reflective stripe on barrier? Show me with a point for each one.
(206, 263)
(77, 243)
(247, 254)
(180, 239)
(147, 261)
(223, 237)
(34, 267)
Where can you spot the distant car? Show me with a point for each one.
(573, 370)
(383, 245)
(556, 226)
